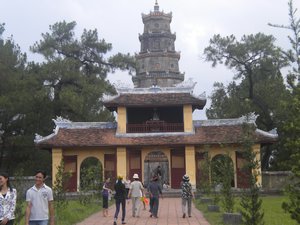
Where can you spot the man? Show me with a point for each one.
(136, 191)
(186, 195)
(154, 191)
(39, 200)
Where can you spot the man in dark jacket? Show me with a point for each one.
(120, 197)
(154, 191)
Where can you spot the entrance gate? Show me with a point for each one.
(156, 163)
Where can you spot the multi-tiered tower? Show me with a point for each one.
(157, 61)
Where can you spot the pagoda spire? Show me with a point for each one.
(156, 7)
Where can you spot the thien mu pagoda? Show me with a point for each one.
(155, 131)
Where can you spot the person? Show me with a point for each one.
(166, 185)
(127, 185)
(154, 190)
(186, 195)
(106, 192)
(120, 198)
(159, 173)
(8, 198)
(39, 200)
(136, 191)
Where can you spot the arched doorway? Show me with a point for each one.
(221, 164)
(91, 171)
(156, 163)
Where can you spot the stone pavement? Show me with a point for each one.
(170, 213)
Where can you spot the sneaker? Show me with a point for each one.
(123, 222)
(115, 223)
(183, 215)
(190, 216)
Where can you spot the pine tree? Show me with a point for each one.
(251, 201)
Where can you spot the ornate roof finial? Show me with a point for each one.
(156, 7)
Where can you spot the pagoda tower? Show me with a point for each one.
(157, 61)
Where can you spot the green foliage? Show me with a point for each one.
(90, 180)
(251, 203)
(256, 62)
(75, 212)
(224, 174)
(59, 190)
(205, 185)
(291, 141)
(293, 54)
(19, 185)
(75, 71)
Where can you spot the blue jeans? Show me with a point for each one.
(118, 203)
(154, 203)
(38, 222)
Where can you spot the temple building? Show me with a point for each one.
(155, 131)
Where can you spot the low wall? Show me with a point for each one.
(275, 180)
(22, 184)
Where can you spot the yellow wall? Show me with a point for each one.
(121, 162)
(122, 120)
(188, 118)
(190, 164)
(84, 153)
(57, 156)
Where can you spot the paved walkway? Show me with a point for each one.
(170, 213)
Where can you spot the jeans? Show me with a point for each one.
(38, 222)
(118, 203)
(154, 203)
(10, 222)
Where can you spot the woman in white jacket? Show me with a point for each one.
(8, 198)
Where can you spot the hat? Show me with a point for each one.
(135, 176)
(186, 178)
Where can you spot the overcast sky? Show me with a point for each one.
(119, 22)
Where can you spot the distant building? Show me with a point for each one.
(154, 123)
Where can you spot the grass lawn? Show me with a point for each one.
(274, 214)
(75, 212)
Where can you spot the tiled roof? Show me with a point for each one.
(96, 137)
(154, 100)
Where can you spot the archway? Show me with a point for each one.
(91, 171)
(217, 168)
(156, 163)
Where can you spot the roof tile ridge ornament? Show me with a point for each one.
(60, 122)
(249, 118)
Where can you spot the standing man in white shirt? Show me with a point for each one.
(39, 200)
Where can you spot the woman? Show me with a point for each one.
(186, 195)
(106, 191)
(8, 198)
(136, 191)
(120, 198)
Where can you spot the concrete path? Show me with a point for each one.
(170, 213)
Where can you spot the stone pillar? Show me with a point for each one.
(57, 156)
(121, 162)
(188, 118)
(190, 164)
(122, 120)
